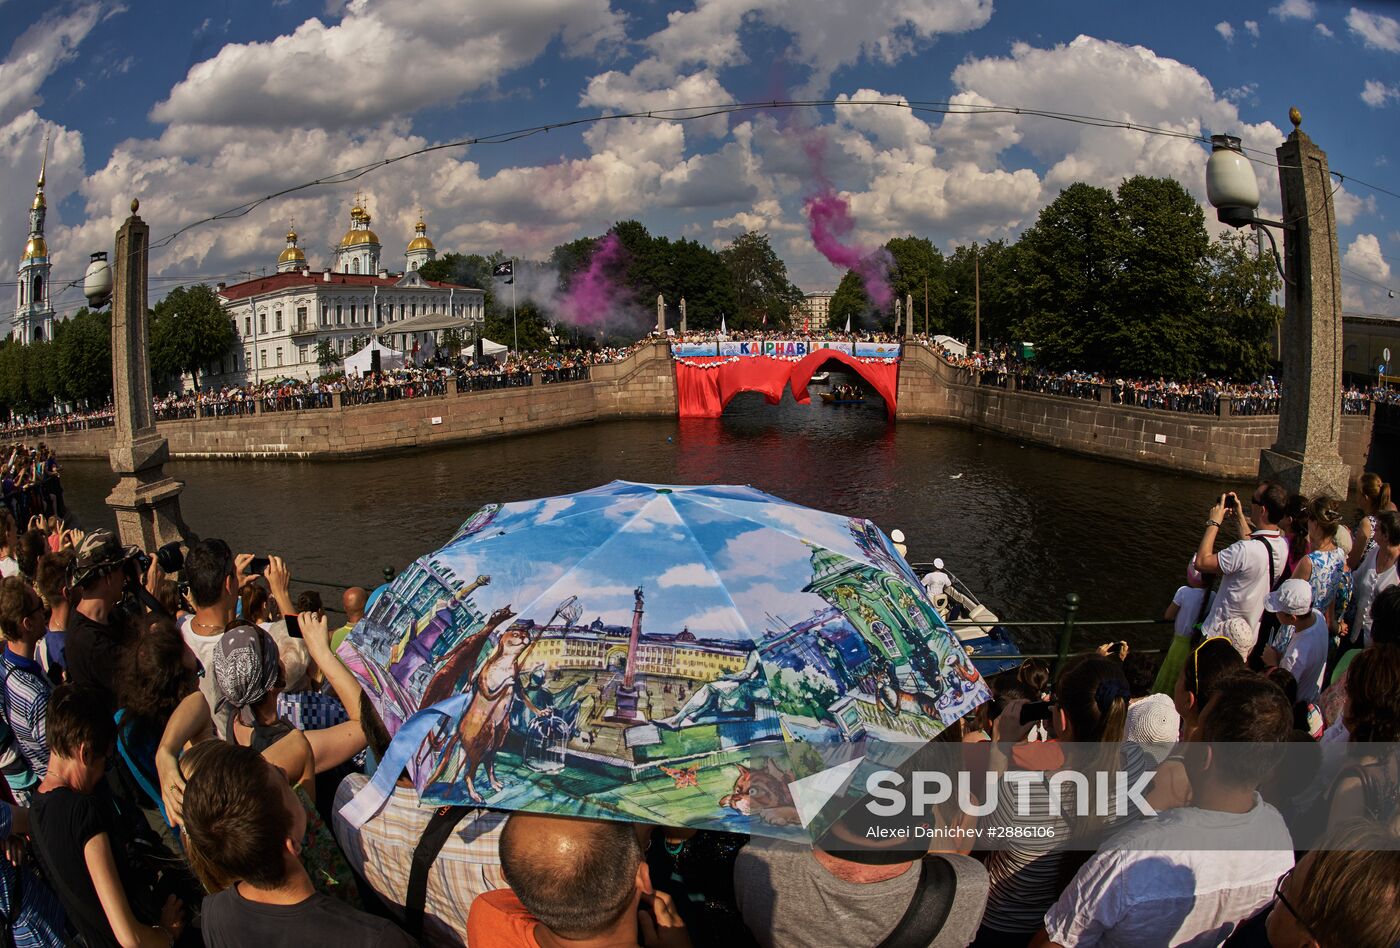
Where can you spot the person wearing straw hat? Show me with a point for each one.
(95, 642)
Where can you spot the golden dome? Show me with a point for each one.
(421, 242)
(35, 247)
(291, 253)
(355, 237)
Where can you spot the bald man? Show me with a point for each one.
(353, 602)
(581, 881)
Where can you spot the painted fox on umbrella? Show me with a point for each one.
(630, 649)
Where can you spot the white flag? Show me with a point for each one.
(722, 330)
(848, 322)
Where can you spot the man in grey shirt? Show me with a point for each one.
(798, 896)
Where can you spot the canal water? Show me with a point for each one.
(1021, 525)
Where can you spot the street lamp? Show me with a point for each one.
(1305, 457)
(97, 281)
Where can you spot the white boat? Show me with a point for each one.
(821, 377)
(991, 646)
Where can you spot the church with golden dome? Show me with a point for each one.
(283, 320)
(34, 314)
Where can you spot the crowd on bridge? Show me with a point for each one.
(1197, 396)
(435, 377)
(179, 732)
(461, 374)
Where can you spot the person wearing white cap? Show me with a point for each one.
(897, 538)
(1154, 725)
(937, 582)
(1300, 645)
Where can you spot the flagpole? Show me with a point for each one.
(514, 328)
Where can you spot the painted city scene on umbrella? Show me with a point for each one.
(655, 653)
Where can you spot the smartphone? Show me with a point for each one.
(259, 565)
(1031, 711)
(1229, 501)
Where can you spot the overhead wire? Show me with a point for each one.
(697, 113)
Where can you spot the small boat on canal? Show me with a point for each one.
(989, 644)
(828, 398)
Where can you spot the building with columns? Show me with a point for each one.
(34, 314)
(812, 312)
(281, 319)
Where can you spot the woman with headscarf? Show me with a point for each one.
(250, 676)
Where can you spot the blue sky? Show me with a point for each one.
(196, 108)
(719, 562)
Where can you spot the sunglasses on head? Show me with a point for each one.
(1196, 658)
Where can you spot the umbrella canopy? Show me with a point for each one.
(654, 654)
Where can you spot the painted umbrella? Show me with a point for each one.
(685, 656)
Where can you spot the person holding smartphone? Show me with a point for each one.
(1250, 567)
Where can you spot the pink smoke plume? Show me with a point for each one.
(592, 294)
(831, 225)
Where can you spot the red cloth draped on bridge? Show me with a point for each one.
(882, 375)
(705, 385)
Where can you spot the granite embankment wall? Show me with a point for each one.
(932, 390)
(642, 385)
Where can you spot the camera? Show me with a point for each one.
(170, 558)
(1229, 501)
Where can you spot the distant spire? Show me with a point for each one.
(43, 165)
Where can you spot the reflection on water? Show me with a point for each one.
(1021, 525)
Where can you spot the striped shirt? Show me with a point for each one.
(1025, 874)
(41, 922)
(381, 852)
(26, 700)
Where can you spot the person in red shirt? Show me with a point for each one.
(574, 883)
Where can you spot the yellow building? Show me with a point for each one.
(1364, 341)
(677, 656)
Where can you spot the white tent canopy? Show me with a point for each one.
(359, 363)
(954, 346)
(493, 349)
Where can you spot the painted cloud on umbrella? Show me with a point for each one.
(633, 650)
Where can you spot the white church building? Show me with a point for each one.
(280, 319)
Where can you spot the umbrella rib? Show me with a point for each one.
(715, 571)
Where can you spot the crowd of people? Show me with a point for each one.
(1201, 396)
(434, 377)
(176, 753)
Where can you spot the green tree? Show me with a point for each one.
(762, 291)
(531, 324)
(1072, 257)
(917, 263)
(1240, 312)
(83, 357)
(848, 303)
(326, 356)
(189, 330)
(1159, 289)
(990, 271)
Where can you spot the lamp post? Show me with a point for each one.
(145, 501)
(1305, 458)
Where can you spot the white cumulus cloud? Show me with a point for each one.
(1323, 30)
(379, 56)
(1376, 93)
(1364, 256)
(37, 52)
(1375, 30)
(1226, 31)
(1252, 28)
(1295, 10)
